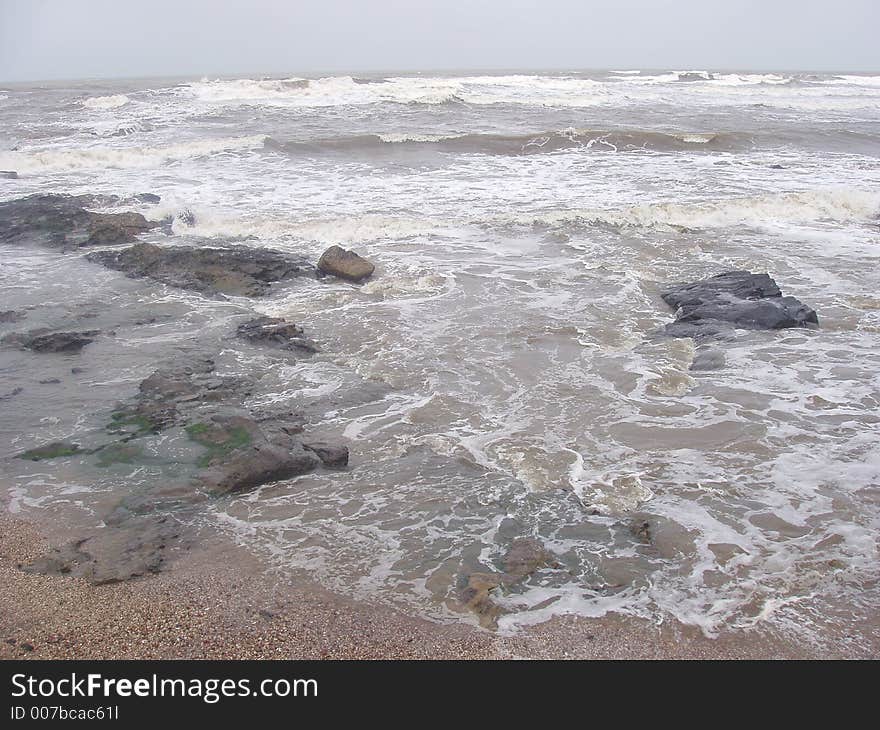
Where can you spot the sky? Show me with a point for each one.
(63, 39)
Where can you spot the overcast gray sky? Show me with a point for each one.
(48, 39)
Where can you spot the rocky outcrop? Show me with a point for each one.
(234, 270)
(278, 333)
(64, 222)
(113, 554)
(337, 261)
(735, 299)
(524, 556)
(332, 455)
(45, 341)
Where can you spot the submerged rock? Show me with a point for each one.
(735, 299)
(524, 557)
(8, 175)
(53, 450)
(44, 341)
(64, 222)
(345, 264)
(278, 333)
(332, 455)
(234, 270)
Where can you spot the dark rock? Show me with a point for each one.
(150, 198)
(64, 222)
(278, 333)
(737, 299)
(332, 455)
(708, 360)
(168, 392)
(777, 167)
(44, 341)
(243, 454)
(113, 554)
(476, 595)
(345, 264)
(50, 381)
(51, 451)
(235, 270)
(524, 557)
(8, 175)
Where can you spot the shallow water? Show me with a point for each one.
(501, 375)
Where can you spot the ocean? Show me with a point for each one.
(504, 373)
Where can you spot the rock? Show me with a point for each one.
(476, 596)
(43, 341)
(524, 557)
(777, 167)
(53, 450)
(332, 455)
(8, 175)
(345, 264)
(150, 198)
(234, 270)
(10, 315)
(113, 554)
(242, 454)
(63, 221)
(278, 333)
(708, 360)
(167, 392)
(735, 299)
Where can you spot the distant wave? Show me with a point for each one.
(809, 206)
(106, 102)
(536, 142)
(60, 160)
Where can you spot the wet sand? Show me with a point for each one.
(218, 602)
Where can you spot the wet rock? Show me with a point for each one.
(242, 454)
(113, 554)
(777, 167)
(524, 557)
(8, 175)
(10, 315)
(278, 333)
(708, 360)
(44, 341)
(345, 264)
(234, 270)
(150, 198)
(53, 450)
(735, 299)
(476, 595)
(63, 221)
(50, 381)
(168, 393)
(332, 455)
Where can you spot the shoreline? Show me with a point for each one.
(218, 601)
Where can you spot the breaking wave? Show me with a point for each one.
(538, 142)
(803, 207)
(106, 102)
(60, 160)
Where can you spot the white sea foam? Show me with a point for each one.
(39, 161)
(833, 205)
(106, 102)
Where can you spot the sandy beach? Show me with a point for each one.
(236, 611)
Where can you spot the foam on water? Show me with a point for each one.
(502, 374)
(106, 102)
